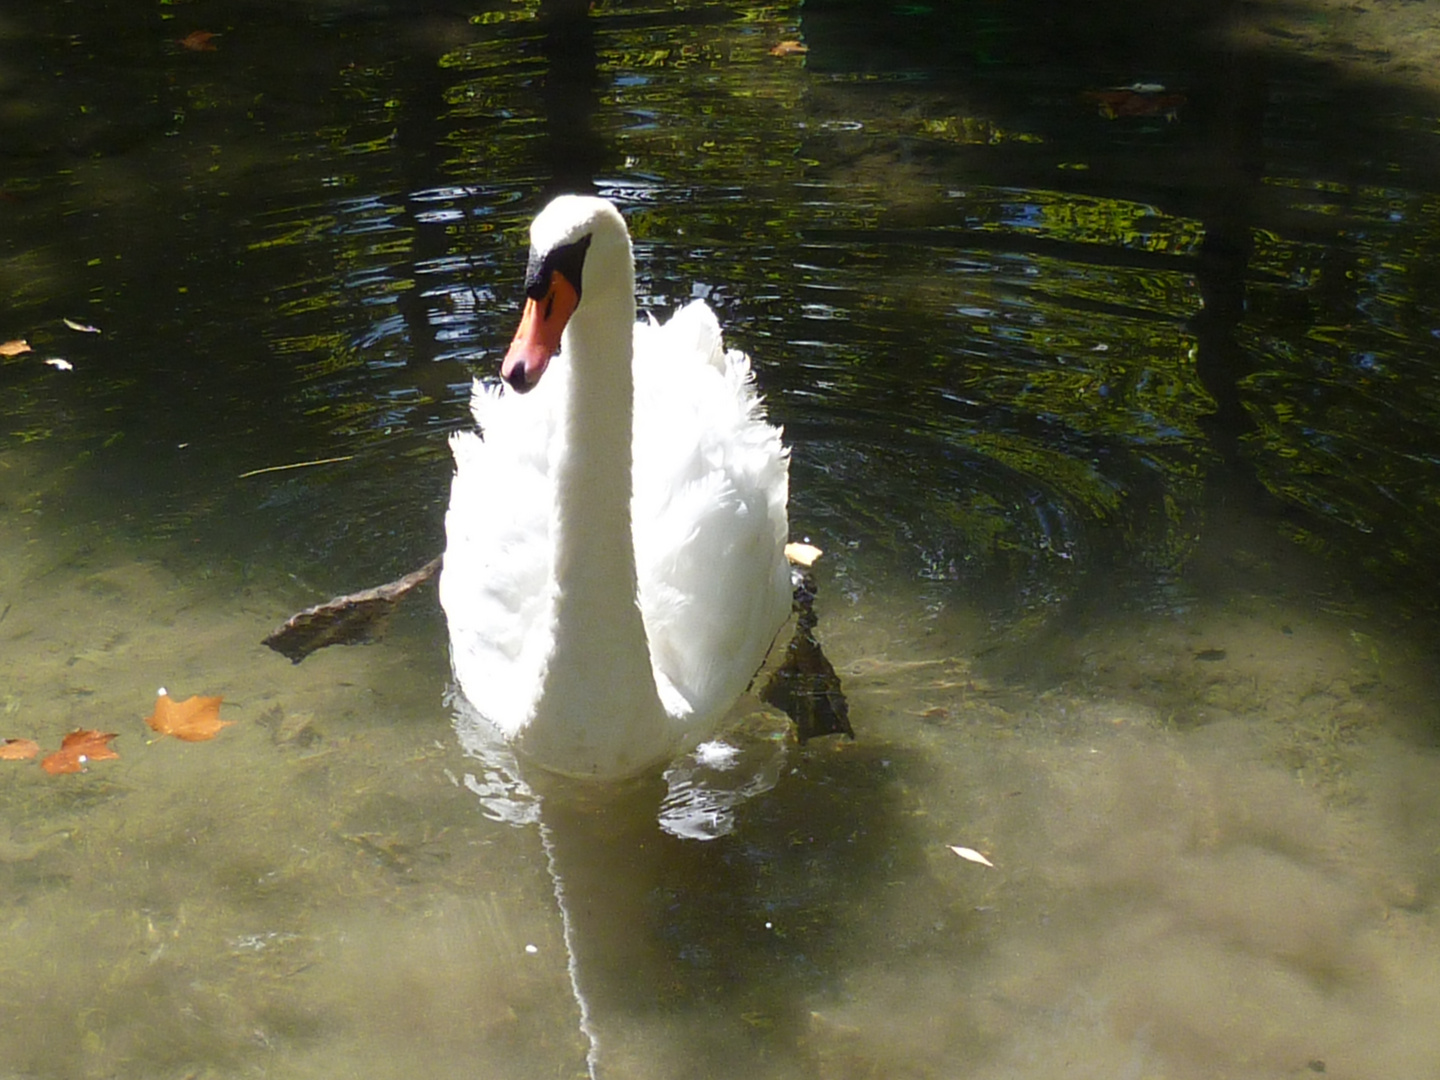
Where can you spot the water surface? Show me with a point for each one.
(1105, 346)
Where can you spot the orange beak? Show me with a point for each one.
(538, 338)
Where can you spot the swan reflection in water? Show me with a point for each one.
(675, 946)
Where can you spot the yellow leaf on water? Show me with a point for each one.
(802, 554)
(195, 719)
(14, 348)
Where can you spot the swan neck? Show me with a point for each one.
(600, 670)
(595, 549)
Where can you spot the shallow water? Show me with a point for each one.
(1112, 409)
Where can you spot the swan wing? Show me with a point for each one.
(497, 584)
(711, 480)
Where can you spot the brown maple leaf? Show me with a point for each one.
(18, 749)
(77, 748)
(789, 48)
(197, 41)
(195, 719)
(14, 348)
(1125, 101)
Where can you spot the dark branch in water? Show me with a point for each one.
(347, 620)
(805, 687)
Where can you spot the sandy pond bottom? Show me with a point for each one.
(1205, 865)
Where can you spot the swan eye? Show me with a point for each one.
(567, 259)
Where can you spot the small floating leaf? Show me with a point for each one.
(802, 554)
(84, 328)
(78, 748)
(195, 719)
(1138, 100)
(197, 41)
(60, 364)
(971, 855)
(18, 749)
(14, 348)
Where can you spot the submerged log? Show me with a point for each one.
(347, 620)
(805, 686)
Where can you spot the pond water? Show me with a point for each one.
(1106, 345)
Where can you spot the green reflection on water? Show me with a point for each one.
(1346, 409)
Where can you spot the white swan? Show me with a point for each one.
(612, 584)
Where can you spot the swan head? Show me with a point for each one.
(575, 244)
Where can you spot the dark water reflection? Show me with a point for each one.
(1078, 375)
(849, 217)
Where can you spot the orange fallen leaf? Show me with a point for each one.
(197, 41)
(1144, 101)
(789, 48)
(14, 348)
(77, 748)
(18, 749)
(195, 719)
